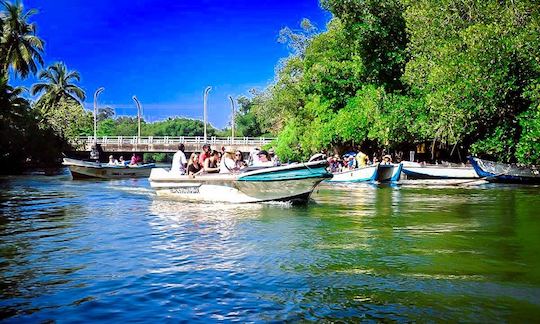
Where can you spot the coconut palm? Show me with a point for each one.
(20, 48)
(12, 97)
(57, 85)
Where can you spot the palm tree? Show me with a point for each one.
(57, 85)
(11, 97)
(20, 48)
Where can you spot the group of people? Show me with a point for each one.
(354, 161)
(224, 161)
(135, 159)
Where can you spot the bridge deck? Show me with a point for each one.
(156, 144)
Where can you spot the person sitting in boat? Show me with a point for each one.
(134, 159)
(211, 164)
(227, 163)
(351, 163)
(179, 161)
(253, 157)
(205, 154)
(239, 162)
(387, 159)
(112, 160)
(273, 157)
(121, 161)
(194, 167)
(334, 164)
(264, 159)
(375, 159)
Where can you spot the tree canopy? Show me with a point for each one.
(394, 73)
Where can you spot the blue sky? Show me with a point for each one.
(166, 52)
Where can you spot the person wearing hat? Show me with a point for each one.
(227, 163)
(273, 157)
(387, 159)
(205, 154)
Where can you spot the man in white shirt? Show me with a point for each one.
(179, 161)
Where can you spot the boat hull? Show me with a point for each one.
(505, 173)
(291, 183)
(379, 172)
(436, 172)
(92, 170)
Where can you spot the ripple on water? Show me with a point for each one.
(112, 251)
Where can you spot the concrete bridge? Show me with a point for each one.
(167, 144)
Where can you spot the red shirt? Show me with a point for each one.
(203, 156)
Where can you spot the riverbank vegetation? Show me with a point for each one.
(455, 77)
(461, 75)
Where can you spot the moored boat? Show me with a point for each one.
(376, 172)
(84, 169)
(419, 171)
(293, 182)
(506, 173)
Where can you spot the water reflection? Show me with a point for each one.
(99, 250)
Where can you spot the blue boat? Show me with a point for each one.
(505, 173)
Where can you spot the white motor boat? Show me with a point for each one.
(84, 169)
(294, 182)
(429, 171)
(377, 172)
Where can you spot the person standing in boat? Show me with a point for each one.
(179, 161)
(362, 159)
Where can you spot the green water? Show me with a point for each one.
(463, 254)
(80, 251)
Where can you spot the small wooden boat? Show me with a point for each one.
(376, 172)
(505, 173)
(293, 182)
(84, 169)
(419, 171)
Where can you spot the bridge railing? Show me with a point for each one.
(198, 140)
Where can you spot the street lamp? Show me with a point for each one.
(206, 91)
(96, 94)
(139, 113)
(232, 119)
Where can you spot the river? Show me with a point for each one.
(79, 251)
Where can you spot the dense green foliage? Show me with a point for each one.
(127, 126)
(24, 139)
(20, 48)
(385, 74)
(394, 73)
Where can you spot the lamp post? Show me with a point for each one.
(139, 113)
(96, 94)
(206, 91)
(232, 119)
